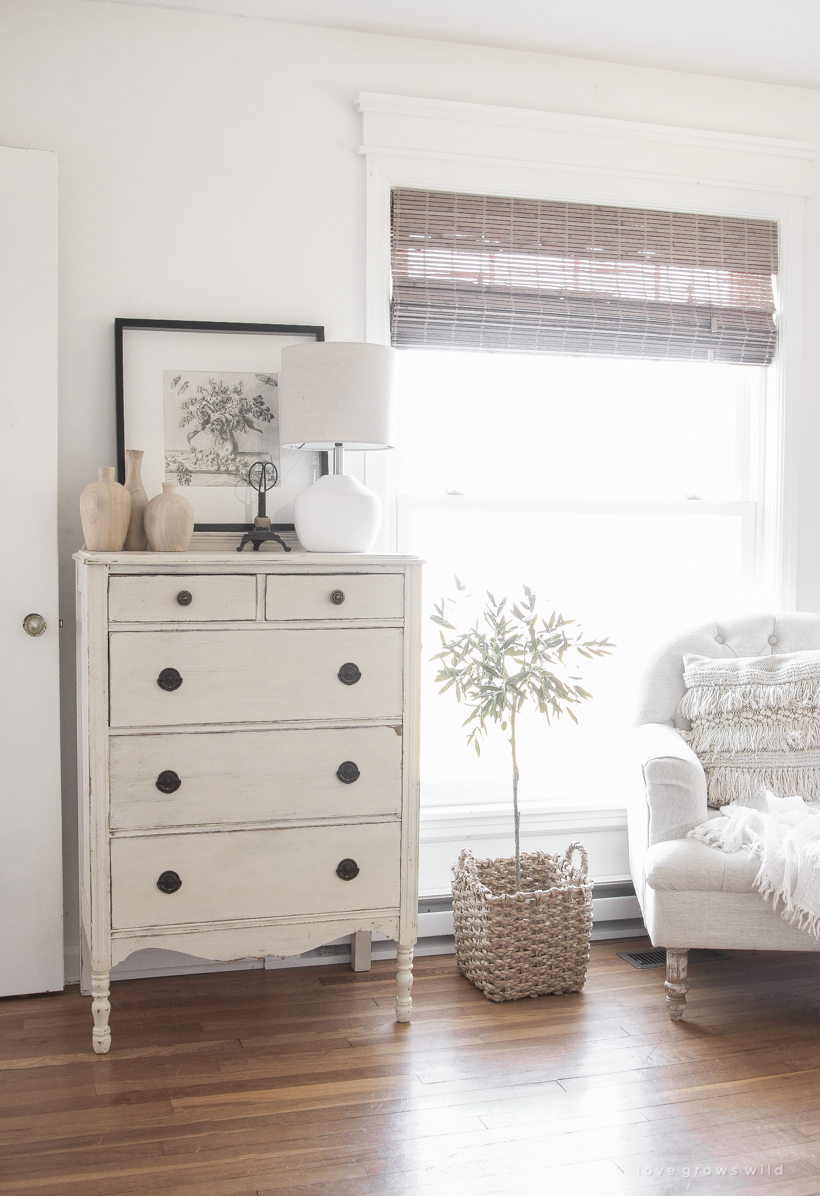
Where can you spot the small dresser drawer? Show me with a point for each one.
(235, 875)
(181, 678)
(253, 776)
(335, 596)
(160, 598)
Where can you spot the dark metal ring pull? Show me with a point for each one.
(349, 674)
(169, 882)
(168, 781)
(337, 597)
(347, 870)
(169, 679)
(185, 597)
(347, 772)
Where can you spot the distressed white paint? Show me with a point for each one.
(362, 597)
(254, 676)
(31, 897)
(254, 776)
(260, 821)
(237, 874)
(155, 598)
(360, 957)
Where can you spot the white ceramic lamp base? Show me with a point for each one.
(337, 514)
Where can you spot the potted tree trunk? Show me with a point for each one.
(522, 924)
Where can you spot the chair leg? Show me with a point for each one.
(677, 985)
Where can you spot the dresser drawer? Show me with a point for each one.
(335, 596)
(251, 776)
(158, 598)
(267, 675)
(233, 875)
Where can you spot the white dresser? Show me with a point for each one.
(248, 730)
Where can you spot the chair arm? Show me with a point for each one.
(674, 783)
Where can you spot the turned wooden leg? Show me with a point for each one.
(404, 983)
(85, 965)
(676, 985)
(100, 1007)
(360, 951)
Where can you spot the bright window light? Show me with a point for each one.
(622, 492)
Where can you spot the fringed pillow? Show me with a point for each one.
(755, 724)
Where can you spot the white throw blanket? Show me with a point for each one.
(784, 834)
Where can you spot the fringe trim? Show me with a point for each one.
(705, 697)
(726, 786)
(783, 668)
(808, 759)
(715, 834)
(795, 915)
(749, 731)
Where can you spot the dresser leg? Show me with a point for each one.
(101, 1007)
(360, 951)
(404, 983)
(85, 965)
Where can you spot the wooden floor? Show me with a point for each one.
(300, 1081)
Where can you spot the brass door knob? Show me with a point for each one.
(337, 597)
(34, 625)
(185, 597)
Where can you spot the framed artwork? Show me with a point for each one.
(200, 399)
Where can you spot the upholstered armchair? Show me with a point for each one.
(692, 895)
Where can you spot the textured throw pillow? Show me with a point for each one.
(755, 724)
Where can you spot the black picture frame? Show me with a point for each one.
(122, 325)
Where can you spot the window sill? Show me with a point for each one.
(493, 819)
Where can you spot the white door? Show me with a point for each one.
(31, 898)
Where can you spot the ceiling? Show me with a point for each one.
(744, 39)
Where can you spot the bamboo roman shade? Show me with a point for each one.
(530, 276)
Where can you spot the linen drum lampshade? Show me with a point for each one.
(337, 395)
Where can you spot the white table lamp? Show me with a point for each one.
(337, 395)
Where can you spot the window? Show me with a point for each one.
(623, 488)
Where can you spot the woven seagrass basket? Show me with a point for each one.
(527, 943)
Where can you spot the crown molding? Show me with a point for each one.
(563, 122)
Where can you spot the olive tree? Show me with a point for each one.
(507, 660)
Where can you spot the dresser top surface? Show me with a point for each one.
(251, 561)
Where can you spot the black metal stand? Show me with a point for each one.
(262, 476)
(260, 535)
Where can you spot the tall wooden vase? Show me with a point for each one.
(136, 539)
(169, 521)
(105, 511)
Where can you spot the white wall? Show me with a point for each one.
(208, 170)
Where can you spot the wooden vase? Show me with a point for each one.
(136, 539)
(105, 511)
(169, 521)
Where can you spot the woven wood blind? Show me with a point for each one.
(524, 275)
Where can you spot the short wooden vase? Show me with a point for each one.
(105, 511)
(169, 521)
(136, 539)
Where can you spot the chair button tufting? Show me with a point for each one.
(719, 639)
(772, 639)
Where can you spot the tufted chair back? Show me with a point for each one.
(743, 635)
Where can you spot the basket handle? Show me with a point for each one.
(579, 847)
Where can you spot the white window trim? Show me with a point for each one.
(431, 144)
